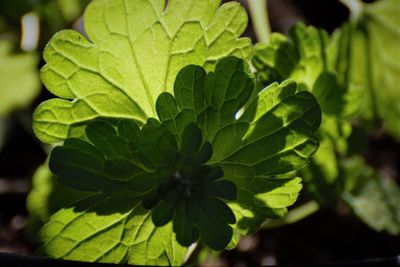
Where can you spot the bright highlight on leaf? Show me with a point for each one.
(134, 52)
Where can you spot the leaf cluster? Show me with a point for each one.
(162, 125)
(353, 76)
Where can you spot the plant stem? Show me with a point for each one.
(259, 16)
(355, 7)
(294, 215)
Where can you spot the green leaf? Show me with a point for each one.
(128, 130)
(212, 222)
(305, 56)
(191, 139)
(154, 166)
(194, 172)
(280, 137)
(158, 146)
(107, 163)
(373, 197)
(212, 101)
(110, 229)
(72, 9)
(368, 57)
(300, 56)
(46, 198)
(313, 59)
(323, 176)
(263, 198)
(184, 227)
(268, 135)
(19, 79)
(223, 189)
(135, 51)
(78, 170)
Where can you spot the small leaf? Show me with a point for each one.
(211, 224)
(191, 140)
(83, 146)
(223, 189)
(184, 228)
(77, 170)
(157, 146)
(121, 169)
(128, 129)
(204, 153)
(112, 229)
(163, 213)
(151, 199)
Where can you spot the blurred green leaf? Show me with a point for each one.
(368, 60)
(373, 197)
(19, 78)
(300, 56)
(15, 9)
(71, 9)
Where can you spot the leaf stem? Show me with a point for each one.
(259, 16)
(293, 216)
(355, 7)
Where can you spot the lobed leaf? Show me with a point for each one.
(176, 165)
(110, 229)
(133, 53)
(306, 57)
(264, 136)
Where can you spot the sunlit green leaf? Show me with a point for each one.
(193, 172)
(133, 54)
(46, 198)
(111, 229)
(273, 134)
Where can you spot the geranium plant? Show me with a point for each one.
(164, 128)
